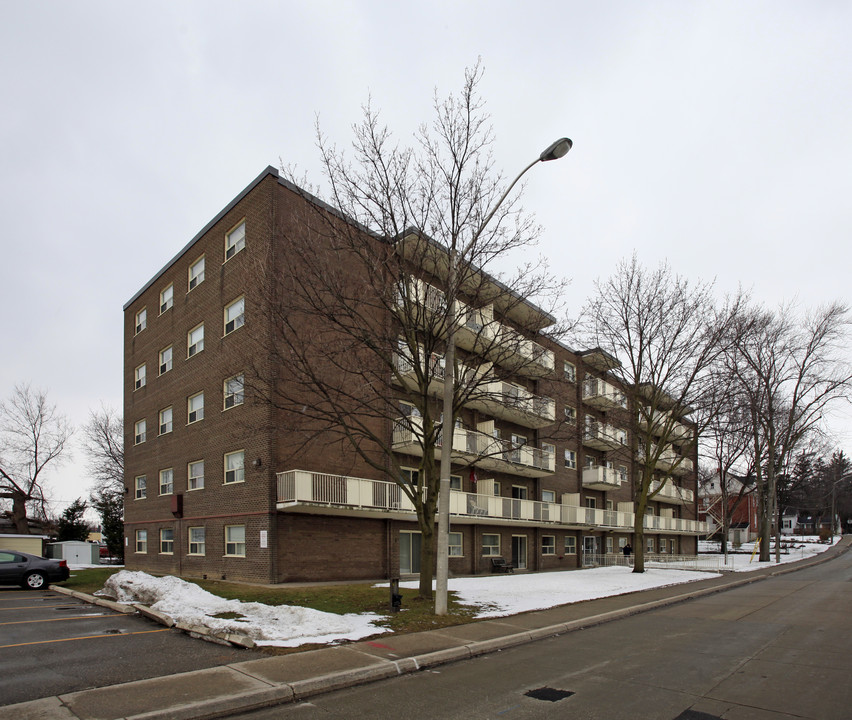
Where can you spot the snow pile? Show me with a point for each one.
(510, 594)
(282, 625)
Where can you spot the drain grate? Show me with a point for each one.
(549, 694)
(695, 715)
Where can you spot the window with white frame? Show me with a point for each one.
(167, 541)
(570, 545)
(490, 545)
(235, 315)
(140, 376)
(622, 541)
(234, 391)
(235, 540)
(196, 273)
(165, 421)
(650, 544)
(165, 360)
(591, 502)
(548, 496)
(455, 482)
(235, 467)
(548, 545)
(571, 459)
(455, 548)
(167, 298)
(195, 475)
(235, 240)
(140, 431)
(621, 436)
(195, 340)
(662, 546)
(196, 541)
(610, 546)
(167, 481)
(610, 505)
(195, 408)
(141, 541)
(141, 320)
(141, 487)
(569, 372)
(622, 473)
(570, 415)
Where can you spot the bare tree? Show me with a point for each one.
(791, 369)
(33, 435)
(666, 335)
(368, 274)
(104, 435)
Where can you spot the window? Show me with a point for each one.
(235, 540)
(621, 436)
(622, 541)
(141, 541)
(167, 298)
(167, 541)
(165, 360)
(195, 408)
(548, 545)
(409, 475)
(141, 320)
(455, 544)
(570, 545)
(591, 502)
(195, 475)
(234, 467)
(609, 546)
(195, 340)
(548, 496)
(673, 546)
(196, 273)
(140, 374)
(571, 459)
(141, 487)
(610, 505)
(235, 315)
(490, 545)
(570, 415)
(196, 541)
(235, 240)
(234, 391)
(167, 481)
(662, 545)
(622, 473)
(650, 544)
(165, 421)
(455, 482)
(569, 372)
(140, 432)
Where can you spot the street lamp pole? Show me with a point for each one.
(833, 501)
(554, 151)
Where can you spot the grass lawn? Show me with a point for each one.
(339, 599)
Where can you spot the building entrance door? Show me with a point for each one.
(409, 552)
(591, 548)
(519, 551)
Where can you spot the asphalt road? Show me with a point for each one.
(52, 644)
(774, 650)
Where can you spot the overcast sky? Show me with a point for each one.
(714, 135)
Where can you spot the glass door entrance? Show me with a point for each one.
(409, 552)
(519, 551)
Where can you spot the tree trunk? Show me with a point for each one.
(19, 514)
(427, 559)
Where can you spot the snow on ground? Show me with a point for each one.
(503, 595)
(282, 625)
(493, 595)
(745, 559)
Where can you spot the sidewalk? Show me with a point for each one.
(287, 678)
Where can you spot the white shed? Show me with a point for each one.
(75, 552)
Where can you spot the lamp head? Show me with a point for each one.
(556, 150)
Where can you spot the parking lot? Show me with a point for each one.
(52, 644)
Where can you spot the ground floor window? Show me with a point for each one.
(570, 545)
(455, 544)
(650, 544)
(548, 545)
(609, 546)
(674, 547)
(662, 545)
(167, 541)
(196, 541)
(141, 541)
(235, 540)
(490, 545)
(409, 552)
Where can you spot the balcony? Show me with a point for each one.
(315, 493)
(516, 404)
(668, 461)
(599, 477)
(678, 432)
(601, 394)
(603, 437)
(480, 449)
(672, 494)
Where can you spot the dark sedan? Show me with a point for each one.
(30, 571)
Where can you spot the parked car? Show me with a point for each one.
(30, 571)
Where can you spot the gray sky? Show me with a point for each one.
(715, 135)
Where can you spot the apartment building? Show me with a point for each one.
(219, 486)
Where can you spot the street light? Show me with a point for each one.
(554, 151)
(833, 494)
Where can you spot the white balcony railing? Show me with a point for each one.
(364, 496)
(678, 432)
(602, 394)
(482, 450)
(668, 461)
(672, 494)
(599, 477)
(603, 437)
